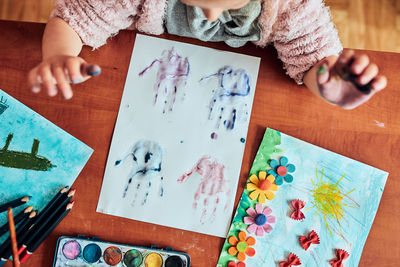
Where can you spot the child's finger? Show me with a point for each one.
(345, 57)
(46, 76)
(359, 64)
(368, 74)
(33, 80)
(62, 81)
(73, 66)
(90, 69)
(379, 82)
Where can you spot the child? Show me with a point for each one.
(300, 30)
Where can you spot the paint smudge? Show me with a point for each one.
(242, 140)
(379, 124)
(173, 71)
(133, 258)
(24, 160)
(147, 158)
(329, 202)
(212, 185)
(3, 105)
(71, 249)
(91, 253)
(112, 255)
(227, 102)
(214, 136)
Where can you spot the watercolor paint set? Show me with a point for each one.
(80, 251)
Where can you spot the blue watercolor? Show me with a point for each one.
(92, 253)
(65, 151)
(147, 158)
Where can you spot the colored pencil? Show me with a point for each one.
(5, 248)
(14, 203)
(49, 208)
(20, 216)
(41, 224)
(13, 237)
(51, 225)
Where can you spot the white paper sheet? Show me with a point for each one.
(157, 140)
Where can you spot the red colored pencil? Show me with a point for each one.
(13, 238)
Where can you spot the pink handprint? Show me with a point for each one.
(212, 185)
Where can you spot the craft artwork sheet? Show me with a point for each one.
(303, 205)
(179, 139)
(37, 158)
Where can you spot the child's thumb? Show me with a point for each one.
(90, 69)
(323, 73)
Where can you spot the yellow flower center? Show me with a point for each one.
(241, 246)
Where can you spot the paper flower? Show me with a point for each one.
(280, 170)
(297, 205)
(236, 264)
(259, 220)
(292, 260)
(241, 247)
(306, 241)
(262, 187)
(341, 256)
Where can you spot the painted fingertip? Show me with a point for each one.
(322, 69)
(93, 70)
(53, 91)
(77, 80)
(35, 89)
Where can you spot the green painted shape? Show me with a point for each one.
(268, 147)
(24, 160)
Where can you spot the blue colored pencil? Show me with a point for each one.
(20, 216)
(14, 203)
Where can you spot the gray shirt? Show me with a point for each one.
(234, 27)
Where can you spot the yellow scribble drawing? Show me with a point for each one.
(329, 201)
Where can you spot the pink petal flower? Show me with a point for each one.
(248, 220)
(251, 212)
(252, 228)
(267, 227)
(259, 208)
(271, 219)
(267, 211)
(260, 231)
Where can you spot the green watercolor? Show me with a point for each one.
(322, 69)
(268, 147)
(24, 160)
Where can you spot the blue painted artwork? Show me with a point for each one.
(37, 158)
(302, 204)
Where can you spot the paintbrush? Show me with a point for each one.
(14, 203)
(22, 228)
(13, 237)
(20, 216)
(50, 226)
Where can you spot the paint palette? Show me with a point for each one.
(80, 252)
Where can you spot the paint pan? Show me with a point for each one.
(81, 251)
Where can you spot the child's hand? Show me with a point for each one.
(57, 72)
(350, 81)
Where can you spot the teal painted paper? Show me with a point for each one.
(52, 162)
(361, 187)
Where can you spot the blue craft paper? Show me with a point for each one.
(63, 150)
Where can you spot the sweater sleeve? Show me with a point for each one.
(303, 35)
(96, 20)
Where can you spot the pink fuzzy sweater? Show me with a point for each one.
(300, 30)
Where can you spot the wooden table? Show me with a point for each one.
(370, 134)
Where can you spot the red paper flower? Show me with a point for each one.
(341, 256)
(306, 241)
(236, 264)
(297, 205)
(291, 261)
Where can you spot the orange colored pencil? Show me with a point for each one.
(13, 237)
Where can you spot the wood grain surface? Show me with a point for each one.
(370, 134)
